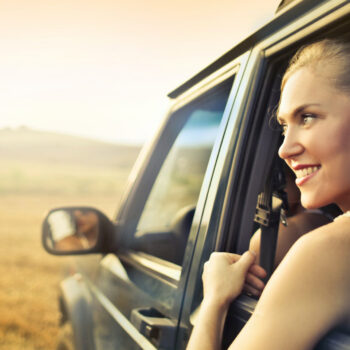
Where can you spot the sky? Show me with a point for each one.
(103, 68)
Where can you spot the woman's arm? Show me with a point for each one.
(306, 296)
(223, 279)
(207, 333)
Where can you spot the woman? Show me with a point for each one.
(308, 293)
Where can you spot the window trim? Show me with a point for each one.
(154, 266)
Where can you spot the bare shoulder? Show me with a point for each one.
(326, 249)
(327, 239)
(313, 273)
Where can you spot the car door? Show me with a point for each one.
(137, 294)
(253, 156)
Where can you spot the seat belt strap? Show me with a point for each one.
(270, 210)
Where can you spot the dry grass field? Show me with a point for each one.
(29, 187)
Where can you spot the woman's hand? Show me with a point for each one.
(225, 275)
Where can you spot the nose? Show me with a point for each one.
(291, 147)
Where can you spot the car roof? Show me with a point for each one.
(287, 12)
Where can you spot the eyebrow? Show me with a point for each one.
(296, 112)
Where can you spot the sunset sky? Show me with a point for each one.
(102, 68)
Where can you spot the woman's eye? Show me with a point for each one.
(307, 118)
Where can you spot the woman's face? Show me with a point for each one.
(316, 120)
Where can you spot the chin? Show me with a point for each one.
(309, 202)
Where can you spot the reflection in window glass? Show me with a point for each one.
(167, 216)
(181, 176)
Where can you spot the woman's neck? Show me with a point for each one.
(295, 208)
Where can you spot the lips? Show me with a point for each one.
(304, 173)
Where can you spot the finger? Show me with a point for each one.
(250, 290)
(231, 257)
(258, 271)
(246, 260)
(255, 282)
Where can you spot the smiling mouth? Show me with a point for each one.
(306, 171)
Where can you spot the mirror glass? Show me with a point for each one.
(71, 229)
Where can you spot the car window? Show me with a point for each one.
(169, 209)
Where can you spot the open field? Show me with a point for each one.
(29, 277)
(31, 183)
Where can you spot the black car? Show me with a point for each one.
(193, 191)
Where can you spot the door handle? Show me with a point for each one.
(160, 330)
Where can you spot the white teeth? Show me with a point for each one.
(306, 171)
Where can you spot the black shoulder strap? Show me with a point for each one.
(270, 209)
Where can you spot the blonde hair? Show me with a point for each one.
(329, 58)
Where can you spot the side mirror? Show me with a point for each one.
(76, 230)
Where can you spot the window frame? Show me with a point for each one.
(147, 168)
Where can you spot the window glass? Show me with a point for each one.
(169, 209)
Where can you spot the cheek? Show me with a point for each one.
(333, 152)
(341, 136)
(331, 144)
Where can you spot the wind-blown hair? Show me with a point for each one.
(328, 58)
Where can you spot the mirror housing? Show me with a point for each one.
(78, 230)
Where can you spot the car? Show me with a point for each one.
(194, 190)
